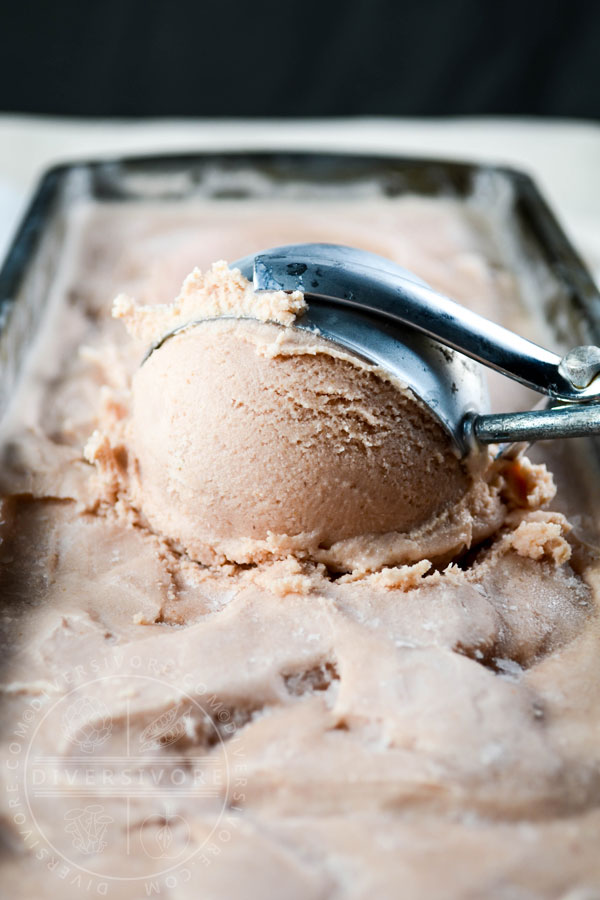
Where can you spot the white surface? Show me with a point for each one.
(563, 157)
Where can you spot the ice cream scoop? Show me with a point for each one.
(333, 430)
(390, 316)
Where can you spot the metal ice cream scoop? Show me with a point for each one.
(391, 318)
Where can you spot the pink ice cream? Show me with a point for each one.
(268, 635)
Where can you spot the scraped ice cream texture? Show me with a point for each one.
(255, 555)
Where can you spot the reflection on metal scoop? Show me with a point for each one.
(391, 318)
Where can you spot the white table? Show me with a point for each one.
(563, 157)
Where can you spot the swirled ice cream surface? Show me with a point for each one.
(264, 633)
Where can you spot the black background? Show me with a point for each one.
(300, 57)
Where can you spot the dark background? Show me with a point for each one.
(300, 57)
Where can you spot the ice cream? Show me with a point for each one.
(250, 440)
(327, 707)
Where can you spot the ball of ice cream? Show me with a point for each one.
(241, 453)
(250, 440)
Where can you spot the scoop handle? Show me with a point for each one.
(569, 421)
(349, 277)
